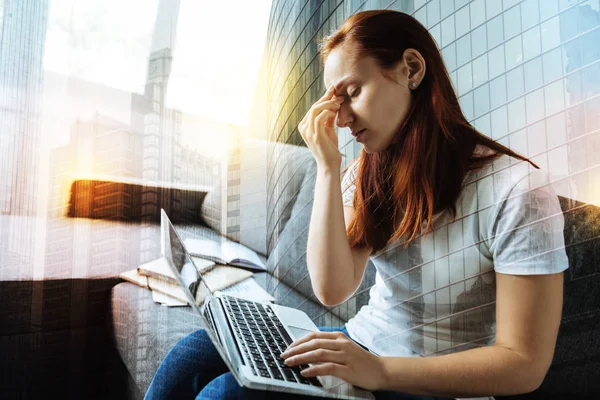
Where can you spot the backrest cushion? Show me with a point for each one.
(576, 362)
(288, 234)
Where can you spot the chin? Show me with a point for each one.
(370, 149)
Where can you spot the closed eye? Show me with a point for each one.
(354, 93)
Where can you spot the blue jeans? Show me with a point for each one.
(193, 369)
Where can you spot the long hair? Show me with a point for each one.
(421, 173)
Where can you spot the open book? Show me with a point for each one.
(230, 253)
(218, 278)
(160, 269)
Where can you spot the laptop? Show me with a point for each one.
(249, 335)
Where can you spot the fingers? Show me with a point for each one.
(317, 108)
(324, 124)
(333, 104)
(330, 344)
(317, 129)
(315, 335)
(326, 369)
(329, 95)
(325, 119)
(317, 355)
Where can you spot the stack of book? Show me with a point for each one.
(210, 259)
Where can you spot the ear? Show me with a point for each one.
(414, 67)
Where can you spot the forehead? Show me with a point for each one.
(341, 63)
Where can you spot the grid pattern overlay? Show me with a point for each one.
(526, 73)
(438, 294)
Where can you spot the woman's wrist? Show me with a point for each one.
(385, 381)
(328, 169)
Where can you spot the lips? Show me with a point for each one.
(358, 136)
(356, 133)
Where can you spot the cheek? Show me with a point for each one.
(394, 110)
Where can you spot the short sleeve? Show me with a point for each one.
(526, 229)
(349, 184)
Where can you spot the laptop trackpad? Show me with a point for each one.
(297, 333)
(291, 317)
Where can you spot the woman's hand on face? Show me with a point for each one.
(318, 130)
(336, 355)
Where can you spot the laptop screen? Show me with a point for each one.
(174, 251)
(192, 282)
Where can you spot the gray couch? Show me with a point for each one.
(144, 331)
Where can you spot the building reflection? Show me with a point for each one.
(22, 38)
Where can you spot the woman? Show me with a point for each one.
(467, 240)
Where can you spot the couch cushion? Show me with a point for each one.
(290, 176)
(289, 217)
(576, 362)
(288, 233)
(145, 331)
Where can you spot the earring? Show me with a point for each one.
(413, 85)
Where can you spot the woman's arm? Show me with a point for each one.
(528, 312)
(331, 262)
(335, 269)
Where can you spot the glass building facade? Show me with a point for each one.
(22, 35)
(76, 212)
(527, 74)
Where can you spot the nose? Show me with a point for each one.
(344, 117)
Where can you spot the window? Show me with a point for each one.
(479, 40)
(496, 61)
(465, 79)
(495, 31)
(531, 43)
(550, 33)
(480, 70)
(512, 22)
(535, 106)
(499, 121)
(552, 62)
(533, 77)
(517, 86)
(516, 114)
(463, 23)
(482, 100)
(463, 50)
(449, 55)
(448, 31)
(513, 52)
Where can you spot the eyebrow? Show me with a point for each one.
(341, 84)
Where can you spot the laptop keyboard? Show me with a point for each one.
(263, 338)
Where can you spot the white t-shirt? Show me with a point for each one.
(438, 295)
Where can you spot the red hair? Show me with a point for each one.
(421, 173)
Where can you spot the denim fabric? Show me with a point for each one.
(187, 368)
(193, 369)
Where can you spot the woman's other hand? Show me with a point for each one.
(334, 354)
(318, 130)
